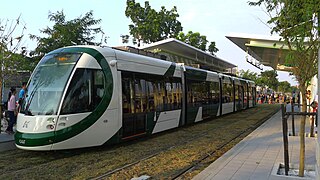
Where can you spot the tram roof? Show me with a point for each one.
(266, 50)
(189, 55)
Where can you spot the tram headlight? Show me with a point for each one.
(50, 126)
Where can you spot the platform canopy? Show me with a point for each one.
(181, 52)
(266, 50)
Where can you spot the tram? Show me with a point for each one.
(83, 96)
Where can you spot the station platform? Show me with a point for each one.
(259, 155)
(6, 140)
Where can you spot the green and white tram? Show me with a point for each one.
(85, 96)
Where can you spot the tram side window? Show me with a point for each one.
(250, 93)
(163, 94)
(148, 93)
(197, 93)
(150, 96)
(245, 90)
(126, 98)
(140, 95)
(237, 93)
(227, 94)
(176, 95)
(85, 92)
(240, 93)
(173, 95)
(98, 88)
(214, 93)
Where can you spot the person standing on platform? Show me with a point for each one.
(12, 111)
(22, 94)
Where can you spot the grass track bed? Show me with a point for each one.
(176, 150)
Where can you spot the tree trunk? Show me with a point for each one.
(302, 131)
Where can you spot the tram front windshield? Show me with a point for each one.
(48, 82)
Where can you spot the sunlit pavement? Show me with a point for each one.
(6, 140)
(258, 155)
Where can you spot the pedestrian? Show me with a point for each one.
(12, 111)
(293, 97)
(22, 95)
(285, 99)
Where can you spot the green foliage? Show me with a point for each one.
(79, 31)
(197, 40)
(297, 22)
(148, 25)
(249, 75)
(266, 78)
(10, 45)
(11, 52)
(284, 87)
(269, 78)
(20, 62)
(212, 47)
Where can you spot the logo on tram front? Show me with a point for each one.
(25, 124)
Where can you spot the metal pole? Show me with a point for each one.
(318, 111)
(292, 110)
(309, 107)
(318, 139)
(285, 140)
(317, 119)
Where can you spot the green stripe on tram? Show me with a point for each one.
(196, 74)
(42, 139)
(170, 71)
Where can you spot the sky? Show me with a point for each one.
(213, 18)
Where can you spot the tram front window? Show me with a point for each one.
(48, 82)
(85, 91)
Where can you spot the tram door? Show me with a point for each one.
(133, 106)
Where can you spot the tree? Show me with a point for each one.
(79, 31)
(294, 21)
(198, 41)
(269, 78)
(11, 34)
(249, 75)
(284, 87)
(266, 78)
(212, 47)
(148, 25)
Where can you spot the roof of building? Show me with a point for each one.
(266, 50)
(189, 54)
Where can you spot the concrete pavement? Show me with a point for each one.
(259, 155)
(6, 140)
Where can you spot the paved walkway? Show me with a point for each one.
(258, 156)
(6, 140)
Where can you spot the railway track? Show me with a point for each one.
(179, 175)
(154, 154)
(127, 160)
